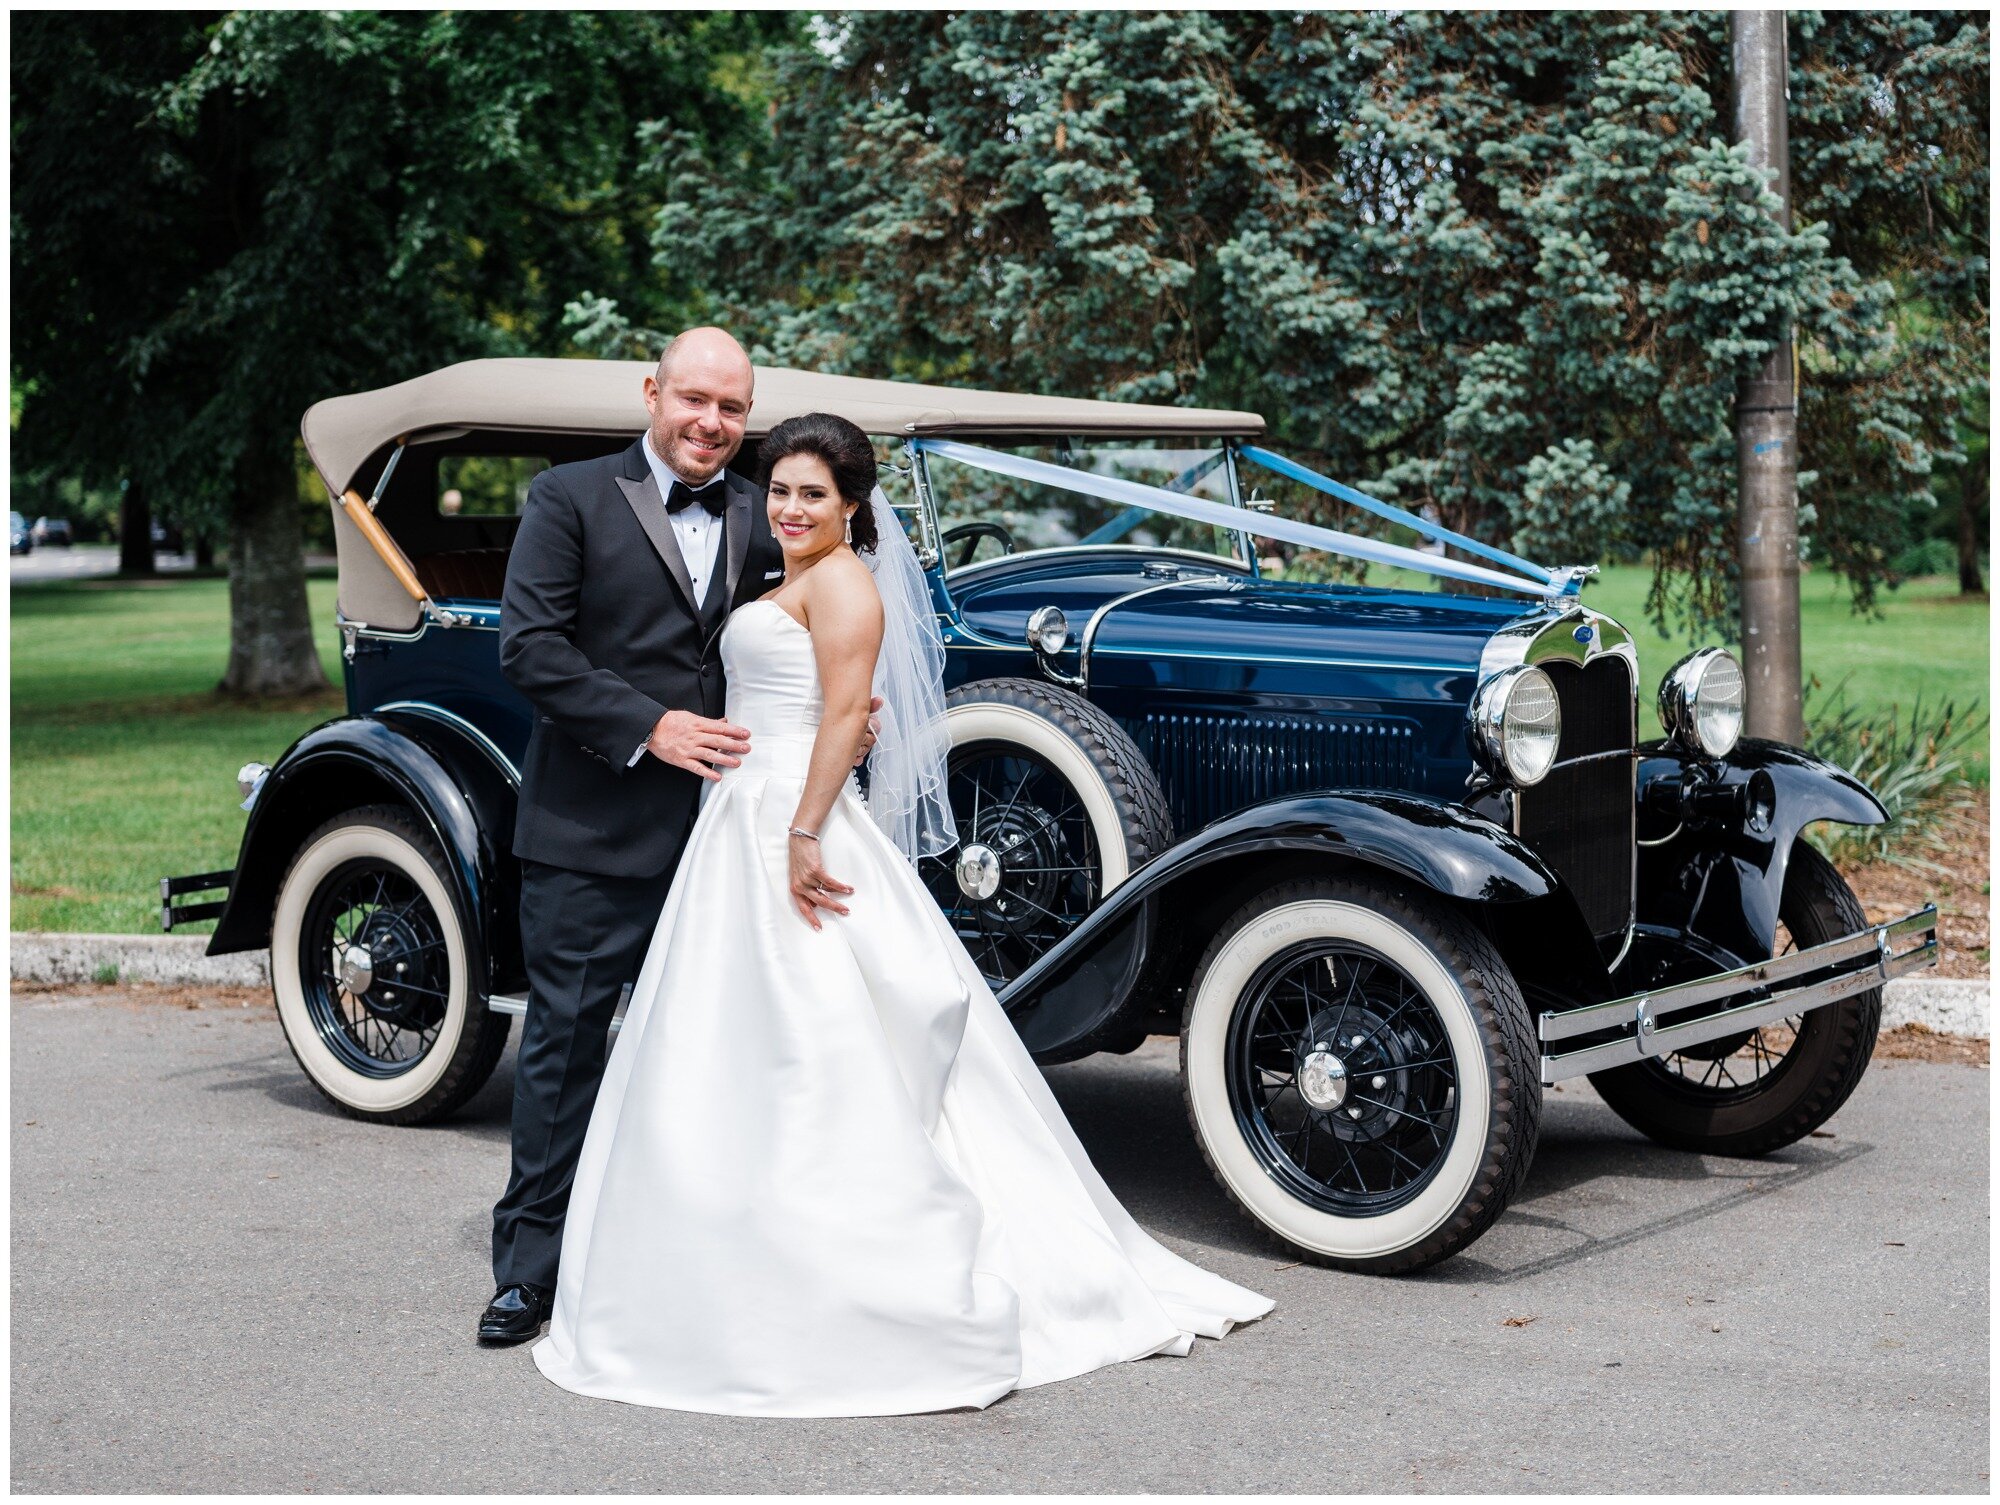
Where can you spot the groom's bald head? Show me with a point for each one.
(699, 398)
(709, 349)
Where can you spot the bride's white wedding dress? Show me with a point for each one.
(823, 1176)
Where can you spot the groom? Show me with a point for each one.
(618, 583)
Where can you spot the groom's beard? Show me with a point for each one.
(695, 467)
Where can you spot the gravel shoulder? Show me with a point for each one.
(219, 1283)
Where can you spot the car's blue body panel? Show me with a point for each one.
(1330, 685)
(456, 669)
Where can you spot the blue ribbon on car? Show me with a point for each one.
(1437, 532)
(1283, 529)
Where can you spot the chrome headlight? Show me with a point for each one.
(1701, 702)
(1048, 630)
(1516, 724)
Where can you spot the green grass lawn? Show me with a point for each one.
(1928, 638)
(124, 762)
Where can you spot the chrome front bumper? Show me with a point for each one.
(1837, 969)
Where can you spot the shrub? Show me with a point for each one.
(1933, 556)
(1915, 763)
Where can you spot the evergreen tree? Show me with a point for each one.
(1501, 265)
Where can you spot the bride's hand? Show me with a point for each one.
(813, 887)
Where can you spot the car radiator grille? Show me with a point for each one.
(1579, 818)
(1212, 765)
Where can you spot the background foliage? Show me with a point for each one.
(1504, 265)
(219, 220)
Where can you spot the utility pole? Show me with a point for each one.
(1767, 418)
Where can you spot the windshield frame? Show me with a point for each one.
(1243, 557)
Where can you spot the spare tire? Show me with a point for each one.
(1055, 807)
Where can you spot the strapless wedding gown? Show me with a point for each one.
(823, 1176)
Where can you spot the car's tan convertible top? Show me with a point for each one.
(603, 397)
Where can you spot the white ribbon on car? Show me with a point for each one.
(1237, 519)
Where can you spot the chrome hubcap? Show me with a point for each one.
(1322, 1079)
(978, 871)
(356, 969)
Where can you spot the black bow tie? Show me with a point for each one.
(713, 497)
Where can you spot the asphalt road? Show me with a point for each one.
(221, 1284)
(96, 561)
(84, 561)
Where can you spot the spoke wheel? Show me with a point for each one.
(372, 970)
(1342, 1074)
(1755, 1091)
(372, 960)
(1736, 1067)
(1359, 1070)
(1027, 866)
(1054, 807)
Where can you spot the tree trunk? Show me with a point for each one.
(135, 531)
(204, 550)
(1767, 421)
(1972, 496)
(271, 648)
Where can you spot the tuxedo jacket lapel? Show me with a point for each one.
(736, 526)
(736, 533)
(642, 494)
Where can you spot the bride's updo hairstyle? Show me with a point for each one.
(844, 450)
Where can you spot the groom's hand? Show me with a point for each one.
(695, 742)
(874, 730)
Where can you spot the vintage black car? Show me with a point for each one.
(1387, 860)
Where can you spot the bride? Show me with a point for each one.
(823, 1176)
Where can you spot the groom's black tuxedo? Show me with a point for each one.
(599, 629)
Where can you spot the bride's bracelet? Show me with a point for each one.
(808, 835)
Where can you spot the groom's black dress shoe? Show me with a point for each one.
(515, 1314)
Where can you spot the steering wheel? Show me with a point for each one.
(969, 534)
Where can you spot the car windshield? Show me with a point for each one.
(983, 515)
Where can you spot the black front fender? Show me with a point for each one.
(461, 790)
(1075, 989)
(1716, 836)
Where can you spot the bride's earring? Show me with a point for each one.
(850, 528)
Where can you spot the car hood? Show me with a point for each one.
(1241, 617)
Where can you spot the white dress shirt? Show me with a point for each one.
(696, 530)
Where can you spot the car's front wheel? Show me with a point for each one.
(369, 965)
(1360, 1072)
(1758, 1090)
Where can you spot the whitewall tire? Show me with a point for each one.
(370, 967)
(1360, 1072)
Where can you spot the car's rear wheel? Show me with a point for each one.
(1055, 807)
(1360, 1071)
(369, 965)
(1750, 1093)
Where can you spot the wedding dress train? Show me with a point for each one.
(823, 1177)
